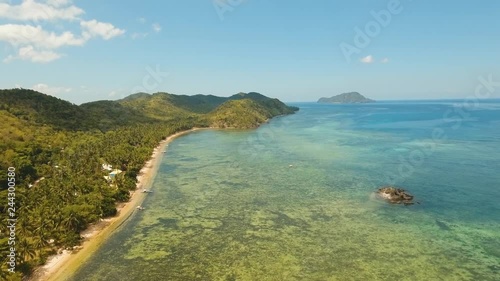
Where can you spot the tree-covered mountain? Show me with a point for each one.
(247, 111)
(273, 106)
(140, 108)
(165, 105)
(42, 109)
(106, 115)
(352, 97)
(244, 113)
(58, 148)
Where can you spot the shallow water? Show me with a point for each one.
(227, 205)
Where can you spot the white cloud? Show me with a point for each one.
(385, 60)
(141, 20)
(367, 59)
(58, 3)
(53, 91)
(30, 10)
(39, 44)
(156, 27)
(29, 53)
(105, 30)
(19, 35)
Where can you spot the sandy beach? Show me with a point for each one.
(63, 265)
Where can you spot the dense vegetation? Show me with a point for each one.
(58, 148)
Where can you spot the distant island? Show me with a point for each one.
(352, 97)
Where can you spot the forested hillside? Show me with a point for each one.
(57, 150)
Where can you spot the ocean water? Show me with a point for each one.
(293, 200)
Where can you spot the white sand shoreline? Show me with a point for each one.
(64, 264)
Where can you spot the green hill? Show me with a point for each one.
(42, 109)
(248, 111)
(208, 108)
(141, 108)
(106, 115)
(244, 113)
(197, 103)
(158, 106)
(252, 95)
(136, 96)
(274, 106)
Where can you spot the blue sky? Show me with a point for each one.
(92, 50)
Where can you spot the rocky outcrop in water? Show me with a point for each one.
(395, 195)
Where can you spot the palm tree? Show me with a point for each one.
(26, 250)
(72, 222)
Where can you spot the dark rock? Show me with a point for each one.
(395, 195)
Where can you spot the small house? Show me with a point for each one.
(107, 167)
(113, 174)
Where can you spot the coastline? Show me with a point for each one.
(66, 263)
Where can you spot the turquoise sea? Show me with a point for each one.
(293, 200)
